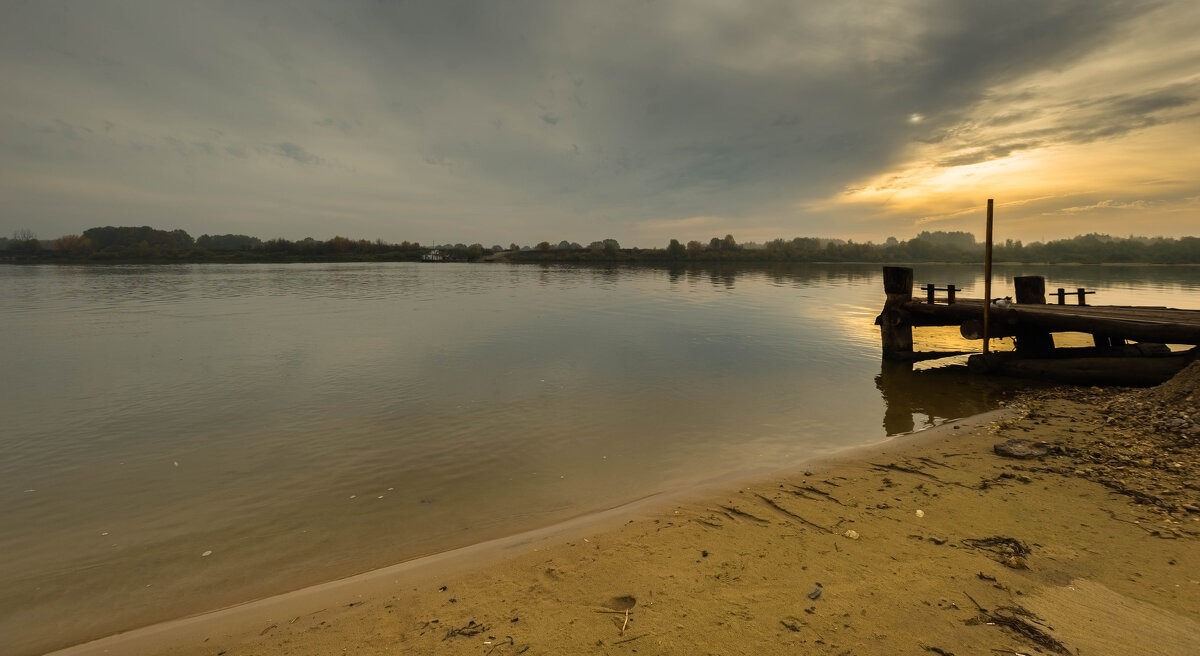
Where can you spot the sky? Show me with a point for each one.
(502, 121)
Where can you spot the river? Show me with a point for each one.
(181, 438)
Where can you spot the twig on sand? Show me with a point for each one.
(470, 629)
(913, 470)
(934, 463)
(981, 608)
(731, 511)
(792, 514)
(626, 622)
(507, 641)
(801, 489)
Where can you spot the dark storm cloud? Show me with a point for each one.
(526, 117)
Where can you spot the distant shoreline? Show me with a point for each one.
(144, 244)
(633, 263)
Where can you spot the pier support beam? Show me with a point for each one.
(895, 327)
(1031, 290)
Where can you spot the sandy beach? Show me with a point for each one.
(930, 543)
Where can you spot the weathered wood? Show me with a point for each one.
(1031, 290)
(931, 296)
(1165, 326)
(923, 314)
(1031, 321)
(987, 278)
(898, 280)
(1141, 324)
(1107, 341)
(1080, 295)
(973, 329)
(895, 327)
(1132, 371)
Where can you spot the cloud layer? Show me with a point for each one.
(523, 120)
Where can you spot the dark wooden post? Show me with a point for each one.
(1082, 294)
(1032, 290)
(950, 291)
(987, 279)
(929, 290)
(1062, 296)
(895, 331)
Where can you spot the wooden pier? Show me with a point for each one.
(1119, 333)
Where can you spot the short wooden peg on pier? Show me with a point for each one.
(1080, 294)
(931, 296)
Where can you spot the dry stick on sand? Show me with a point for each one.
(626, 622)
(917, 472)
(792, 514)
(800, 489)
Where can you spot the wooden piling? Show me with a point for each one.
(1031, 290)
(895, 329)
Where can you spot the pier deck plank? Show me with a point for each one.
(1143, 324)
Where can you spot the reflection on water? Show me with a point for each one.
(305, 422)
(916, 399)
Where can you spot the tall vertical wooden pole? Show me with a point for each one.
(987, 276)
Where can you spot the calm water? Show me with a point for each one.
(299, 423)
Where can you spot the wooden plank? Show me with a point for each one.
(1158, 327)
(1135, 371)
(1165, 325)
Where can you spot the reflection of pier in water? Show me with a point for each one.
(937, 393)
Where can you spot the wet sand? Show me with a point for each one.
(930, 543)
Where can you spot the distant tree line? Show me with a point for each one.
(117, 244)
(938, 246)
